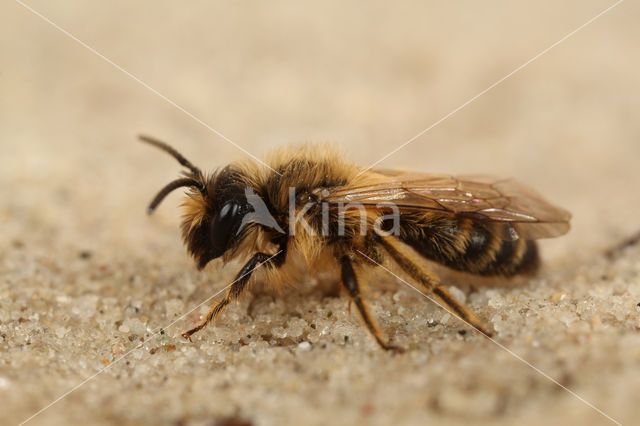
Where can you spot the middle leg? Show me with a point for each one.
(350, 283)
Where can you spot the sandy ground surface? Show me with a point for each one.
(86, 277)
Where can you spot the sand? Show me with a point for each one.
(88, 280)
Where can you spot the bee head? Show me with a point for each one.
(213, 210)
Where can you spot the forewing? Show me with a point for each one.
(481, 198)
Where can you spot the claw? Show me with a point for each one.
(396, 350)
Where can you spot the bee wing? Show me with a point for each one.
(478, 197)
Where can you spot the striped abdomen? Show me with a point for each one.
(470, 246)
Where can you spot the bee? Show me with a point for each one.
(310, 205)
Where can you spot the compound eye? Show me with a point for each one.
(222, 227)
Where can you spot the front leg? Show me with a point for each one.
(236, 289)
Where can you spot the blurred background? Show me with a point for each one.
(366, 75)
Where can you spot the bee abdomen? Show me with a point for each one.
(498, 256)
(478, 249)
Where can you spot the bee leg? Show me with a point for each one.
(428, 281)
(350, 283)
(236, 289)
(460, 310)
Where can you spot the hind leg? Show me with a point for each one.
(428, 281)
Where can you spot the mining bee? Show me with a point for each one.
(310, 206)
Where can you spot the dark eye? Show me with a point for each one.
(222, 227)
